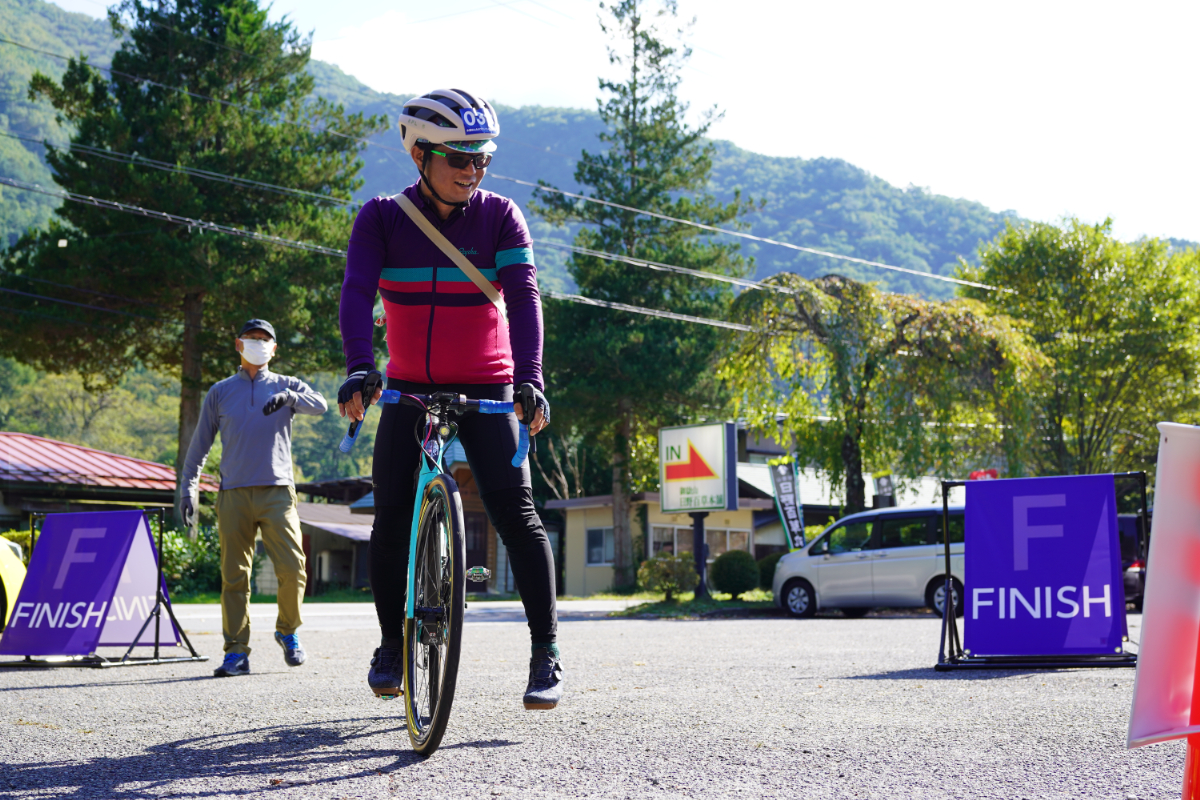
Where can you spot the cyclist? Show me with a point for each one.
(444, 334)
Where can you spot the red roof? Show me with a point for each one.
(33, 459)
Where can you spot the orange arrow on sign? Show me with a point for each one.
(694, 468)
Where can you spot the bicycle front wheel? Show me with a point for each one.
(432, 637)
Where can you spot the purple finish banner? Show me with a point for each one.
(90, 583)
(1043, 567)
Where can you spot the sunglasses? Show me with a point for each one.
(461, 160)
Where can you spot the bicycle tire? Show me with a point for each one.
(431, 644)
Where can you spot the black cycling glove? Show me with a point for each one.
(188, 509)
(531, 399)
(278, 400)
(355, 382)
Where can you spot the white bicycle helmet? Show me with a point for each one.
(453, 118)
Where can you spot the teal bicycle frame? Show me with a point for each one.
(432, 465)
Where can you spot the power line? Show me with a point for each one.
(139, 79)
(244, 183)
(203, 225)
(112, 205)
(744, 235)
(649, 312)
(81, 289)
(29, 313)
(78, 305)
(544, 188)
(660, 267)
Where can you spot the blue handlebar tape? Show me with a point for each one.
(504, 407)
(351, 436)
(522, 446)
(388, 396)
(495, 407)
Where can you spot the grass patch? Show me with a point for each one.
(686, 605)
(330, 596)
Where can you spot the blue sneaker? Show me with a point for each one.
(386, 675)
(293, 653)
(234, 664)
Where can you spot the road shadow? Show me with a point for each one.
(105, 684)
(234, 763)
(483, 744)
(930, 674)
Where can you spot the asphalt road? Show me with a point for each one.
(828, 707)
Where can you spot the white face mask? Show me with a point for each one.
(257, 351)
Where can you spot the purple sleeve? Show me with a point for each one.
(524, 302)
(364, 263)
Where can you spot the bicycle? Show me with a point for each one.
(436, 600)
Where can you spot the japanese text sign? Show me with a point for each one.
(784, 481)
(698, 468)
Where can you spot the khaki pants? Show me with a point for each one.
(240, 513)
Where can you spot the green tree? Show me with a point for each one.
(1118, 321)
(619, 376)
(59, 407)
(870, 380)
(180, 294)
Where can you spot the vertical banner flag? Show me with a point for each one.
(785, 479)
(698, 468)
(1043, 568)
(1165, 692)
(91, 583)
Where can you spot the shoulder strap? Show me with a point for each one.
(451, 251)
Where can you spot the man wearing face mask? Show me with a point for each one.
(253, 411)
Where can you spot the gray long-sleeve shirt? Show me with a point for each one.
(257, 449)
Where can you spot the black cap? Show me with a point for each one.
(257, 325)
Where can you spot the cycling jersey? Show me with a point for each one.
(440, 327)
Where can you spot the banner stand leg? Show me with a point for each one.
(952, 657)
(156, 616)
(126, 660)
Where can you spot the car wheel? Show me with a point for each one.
(935, 596)
(855, 613)
(798, 598)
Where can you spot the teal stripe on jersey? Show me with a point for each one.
(425, 274)
(517, 255)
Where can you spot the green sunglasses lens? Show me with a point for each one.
(460, 160)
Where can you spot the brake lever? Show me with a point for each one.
(371, 385)
(528, 411)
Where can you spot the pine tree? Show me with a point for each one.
(620, 375)
(180, 294)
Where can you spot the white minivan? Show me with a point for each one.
(892, 557)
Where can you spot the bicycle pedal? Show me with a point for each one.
(387, 696)
(479, 574)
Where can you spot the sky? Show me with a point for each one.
(1047, 108)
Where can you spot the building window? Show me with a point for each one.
(719, 541)
(601, 547)
(663, 541)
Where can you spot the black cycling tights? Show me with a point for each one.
(490, 442)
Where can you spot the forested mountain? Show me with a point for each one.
(823, 203)
(45, 27)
